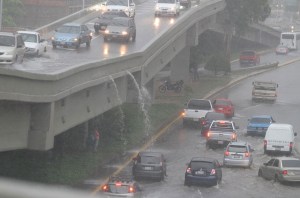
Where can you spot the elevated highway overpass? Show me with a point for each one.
(37, 106)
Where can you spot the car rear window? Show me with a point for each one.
(291, 163)
(149, 160)
(118, 188)
(248, 53)
(201, 164)
(237, 148)
(260, 120)
(221, 126)
(199, 104)
(221, 102)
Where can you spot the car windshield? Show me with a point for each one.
(118, 188)
(196, 165)
(69, 29)
(260, 120)
(291, 163)
(237, 148)
(32, 38)
(7, 41)
(119, 22)
(166, 1)
(117, 2)
(199, 104)
(221, 102)
(149, 160)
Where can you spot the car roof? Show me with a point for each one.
(27, 32)
(206, 159)
(150, 153)
(239, 143)
(72, 24)
(280, 126)
(225, 99)
(262, 116)
(286, 158)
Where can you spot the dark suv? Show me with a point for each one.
(207, 120)
(149, 164)
(121, 28)
(202, 170)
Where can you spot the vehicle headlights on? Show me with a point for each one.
(74, 39)
(53, 38)
(124, 32)
(156, 8)
(106, 31)
(172, 8)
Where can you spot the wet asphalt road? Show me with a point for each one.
(179, 144)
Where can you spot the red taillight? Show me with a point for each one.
(189, 170)
(105, 188)
(233, 137)
(284, 172)
(291, 144)
(247, 154)
(212, 172)
(208, 134)
(131, 189)
(226, 153)
(203, 122)
(183, 114)
(265, 142)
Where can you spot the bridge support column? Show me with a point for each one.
(40, 135)
(180, 65)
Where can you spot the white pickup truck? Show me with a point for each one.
(263, 90)
(195, 110)
(34, 44)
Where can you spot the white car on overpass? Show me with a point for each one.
(127, 6)
(34, 44)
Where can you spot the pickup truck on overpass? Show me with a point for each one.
(34, 44)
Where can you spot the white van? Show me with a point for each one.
(279, 138)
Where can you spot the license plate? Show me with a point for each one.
(277, 149)
(220, 142)
(148, 168)
(237, 157)
(114, 36)
(221, 109)
(200, 172)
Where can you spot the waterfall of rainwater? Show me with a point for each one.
(142, 98)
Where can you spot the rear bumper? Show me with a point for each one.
(65, 44)
(148, 174)
(209, 180)
(271, 98)
(236, 162)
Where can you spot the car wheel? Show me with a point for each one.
(162, 88)
(105, 38)
(77, 45)
(207, 145)
(260, 173)
(162, 177)
(45, 49)
(276, 178)
(37, 53)
(88, 43)
(134, 36)
(186, 183)
(54, 46)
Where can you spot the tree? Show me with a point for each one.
(218, 62)
(10, 9)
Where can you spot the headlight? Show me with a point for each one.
(126, 9)
(9, 53)
(156, 8)
(91, 34)
(173, 8)
(74, 39)
(106, 31)
(53, 38)
(124, 32)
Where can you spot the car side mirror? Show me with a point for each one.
(265, 164)
(132, 4)
(19, 46)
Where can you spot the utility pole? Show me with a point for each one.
(83, 4)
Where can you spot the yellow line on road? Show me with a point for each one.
(144, 147)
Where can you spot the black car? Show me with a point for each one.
(185, 3)
(203, 171)
(120, 28)
(206, 121)
(149, 164)
(105, 18)
(123, 186)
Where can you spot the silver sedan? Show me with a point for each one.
(282, 169)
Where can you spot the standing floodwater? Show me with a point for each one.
(143, 96)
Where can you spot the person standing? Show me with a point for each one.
(96, 139)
